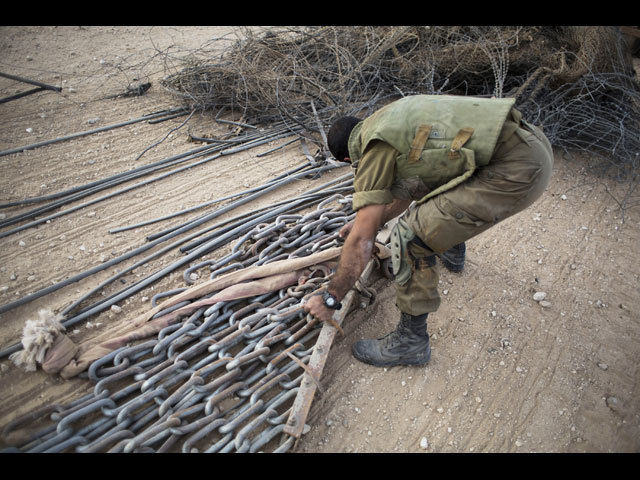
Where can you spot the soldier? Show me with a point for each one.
(455, 166)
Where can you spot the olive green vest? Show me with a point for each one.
(441, 138)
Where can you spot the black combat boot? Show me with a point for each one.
(453, 258)
(408, 344)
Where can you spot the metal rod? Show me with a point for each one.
(206, 204)
(20, 95)
(88, 132)
(111, 178)
(32, 82)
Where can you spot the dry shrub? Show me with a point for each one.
(576, 82)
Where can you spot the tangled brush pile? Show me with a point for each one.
(576, 82)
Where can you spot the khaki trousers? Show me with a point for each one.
(515, 178)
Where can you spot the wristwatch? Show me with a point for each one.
(331, 301)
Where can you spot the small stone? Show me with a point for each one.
(29, 130)
(440, 410)
(116, 309)
(193, 277)
(613, 403)
(91, 214)
(539, 296)
(518, 443)
(545, 304)
(563, 196)
(603, 366)
(22, 244)
(31, 278)
(478, 400)
(424, 443)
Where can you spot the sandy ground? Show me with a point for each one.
(508, 374)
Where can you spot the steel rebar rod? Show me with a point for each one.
(270, 187)
(89, 132)
(32, 82)
(108, 180)
(206, 204)
(22, 94)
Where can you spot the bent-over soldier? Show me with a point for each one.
(455, 166)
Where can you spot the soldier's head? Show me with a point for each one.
(338, 137)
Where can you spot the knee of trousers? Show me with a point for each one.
(420, 293)
(441, 225)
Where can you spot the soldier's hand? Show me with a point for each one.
(316, 307)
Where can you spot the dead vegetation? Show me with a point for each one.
(578, 83)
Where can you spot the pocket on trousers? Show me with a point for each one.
(461, 216)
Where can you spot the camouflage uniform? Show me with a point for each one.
(511, 179)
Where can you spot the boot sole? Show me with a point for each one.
(391, 363)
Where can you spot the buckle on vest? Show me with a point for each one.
(419, 141)
(460, 139)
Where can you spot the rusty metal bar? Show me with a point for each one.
(311, 378)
